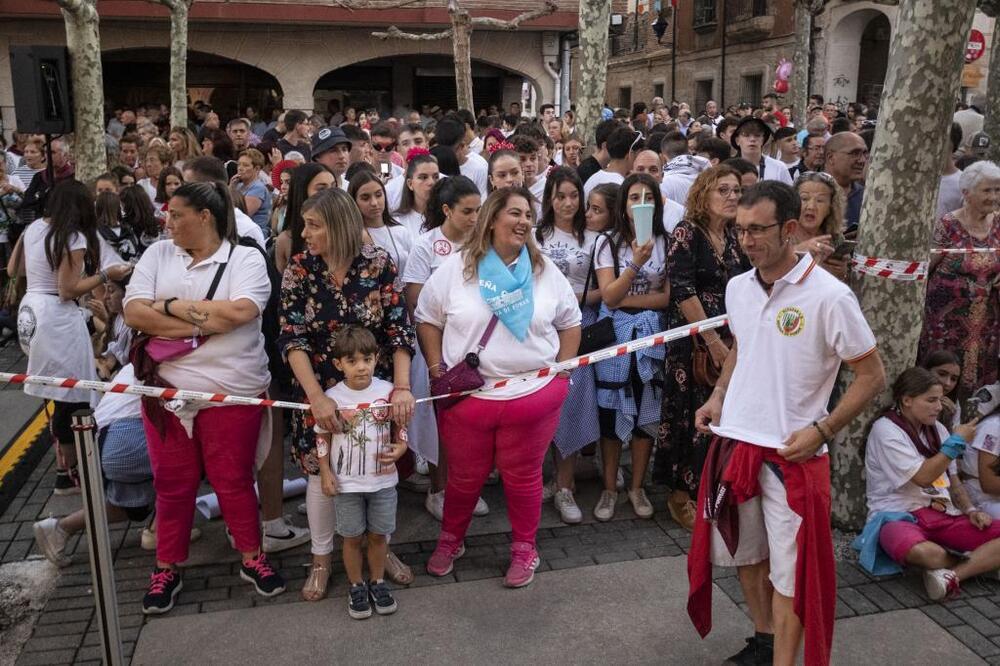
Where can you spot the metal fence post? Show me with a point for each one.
(98, 540)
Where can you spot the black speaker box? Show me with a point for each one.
(42, 95)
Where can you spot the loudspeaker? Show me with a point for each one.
(42, 95)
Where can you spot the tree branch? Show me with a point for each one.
(82, 9)
(371, 4)
(395, 33)
(515, 23)
(173, 5)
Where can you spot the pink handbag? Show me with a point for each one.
(464, 376)
(161, 350)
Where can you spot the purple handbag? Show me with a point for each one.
(464, 376)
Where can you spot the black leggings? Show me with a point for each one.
(61, 425)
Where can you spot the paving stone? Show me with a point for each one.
(941, 615)
(423, 580)
(616, 556)
(986, 607)
(977, 621)
(477, 572)
(30, 512)
(571, 562)
(225, 581)
(60, 629)
(480, 540)
(44, 643)
(878, 596)
(58, 617)
(226, 604)
(51, 658)
(196, 596)
(8, 530)
(93, 652)
(573, 530)
(843, 610)
(849, 574)
(858, 602)
(647, 552)
(975, 641)
(17, 551)
(567, 543)
(903, 593)
(69, 603)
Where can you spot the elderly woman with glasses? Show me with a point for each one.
(962, 304)
(821, 221)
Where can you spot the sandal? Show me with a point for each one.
(396, 571)
(315, 586)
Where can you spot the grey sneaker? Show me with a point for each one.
(605, 509)
(640, 503)
(567, 507)
(51, 540)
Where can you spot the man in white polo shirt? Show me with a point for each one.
(764, 500)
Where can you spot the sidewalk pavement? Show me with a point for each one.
(605, 592)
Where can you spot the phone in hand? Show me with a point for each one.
(385, 169)
(844, 249)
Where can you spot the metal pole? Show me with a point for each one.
(98, 540)
(722, 23)
(673, 57)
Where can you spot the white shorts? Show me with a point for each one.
(768, 529)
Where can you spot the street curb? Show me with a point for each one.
(14, 480)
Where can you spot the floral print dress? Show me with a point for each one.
(314, 309)
(694, 269)
(962, 304)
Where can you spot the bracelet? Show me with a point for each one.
(166, 306)
(400, 388)
(635, 267)
(431, 367)
(104, 276)
(825, 434)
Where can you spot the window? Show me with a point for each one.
(751, 87)
(625, 97)
(657, 90)
(704, 13)
(702, 93)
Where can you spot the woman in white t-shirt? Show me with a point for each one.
(200, 297)
(421, 174)
(498, 294)
(368, 193)
(980, 467)
(60, 255)
(451, 214)
(635, 292)
(913, 486)
(563, 237)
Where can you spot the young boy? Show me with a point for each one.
(358, 466)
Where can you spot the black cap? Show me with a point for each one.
(764, 128)
(326, 138)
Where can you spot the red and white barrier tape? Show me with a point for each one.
(963, 250)
(890, 268)
(199, 396)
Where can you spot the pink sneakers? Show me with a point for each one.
(447, 551)
(523, 562)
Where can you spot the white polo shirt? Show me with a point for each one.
(477, 170)
(790, 346)
(233, 362)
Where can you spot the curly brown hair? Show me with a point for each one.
(701, 190)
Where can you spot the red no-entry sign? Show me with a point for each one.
(976, 46)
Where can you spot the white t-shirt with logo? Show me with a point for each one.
(653, 273)
(570, 257)
(791, 344)
(354, 452)
(987, 439)
(429, 252)
(891, 461)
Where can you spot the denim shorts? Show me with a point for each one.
(358, 513)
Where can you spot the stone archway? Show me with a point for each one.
(857, 54)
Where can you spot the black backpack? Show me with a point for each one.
(269, 325)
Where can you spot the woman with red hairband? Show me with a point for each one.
(421, 175)
(491, 139)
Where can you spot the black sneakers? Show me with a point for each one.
(67, 482)
(358, 605)
(164, 585)
(265, 579)
(381, 597)
(759, 651)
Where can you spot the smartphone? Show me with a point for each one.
(386, 170)
(843, 249)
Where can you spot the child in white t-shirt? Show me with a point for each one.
(358, 465)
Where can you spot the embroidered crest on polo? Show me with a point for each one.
(790, 321)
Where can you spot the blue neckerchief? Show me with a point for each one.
(508, 291)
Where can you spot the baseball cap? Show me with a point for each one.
(980, 144)
(326, 138)
(987, 399)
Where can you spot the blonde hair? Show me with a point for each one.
(833, 225)
(344, 225)
(191, 146)
(481, 241)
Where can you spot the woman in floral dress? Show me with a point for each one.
(338, 281)
(962, 289)
(704, 255)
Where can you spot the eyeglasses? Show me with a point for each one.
(726, 190)
(856, 154)
(384, 147)
(754, 230)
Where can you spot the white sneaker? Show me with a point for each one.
(482, 508)
(435, 504)
(620, 480)
(421, 465)
(51, 540)
(288, 536)
(549, 490)
(640, 503)
(605, 509)
(941, 584)
(147, 540)
(566, 504)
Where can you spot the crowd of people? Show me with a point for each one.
(351, 259)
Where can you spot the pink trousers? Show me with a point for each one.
(512, 435)
(223, 450)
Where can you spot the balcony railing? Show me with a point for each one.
(743, 10)
(748, 20)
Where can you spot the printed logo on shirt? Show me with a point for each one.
(442, 248)
(380, 411)
(991, 445)
(26, 324)
(791, 321)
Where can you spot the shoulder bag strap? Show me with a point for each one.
(218, 275)
(488, 333)
(590, 274)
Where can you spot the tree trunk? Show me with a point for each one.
(991, 124)
(178, 63)
(595, 15)
(800, 63)
(925, 64)
(84, 43)
(461, 43)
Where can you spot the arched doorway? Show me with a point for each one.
(142, 76)
(394, 85)
(874, 60)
